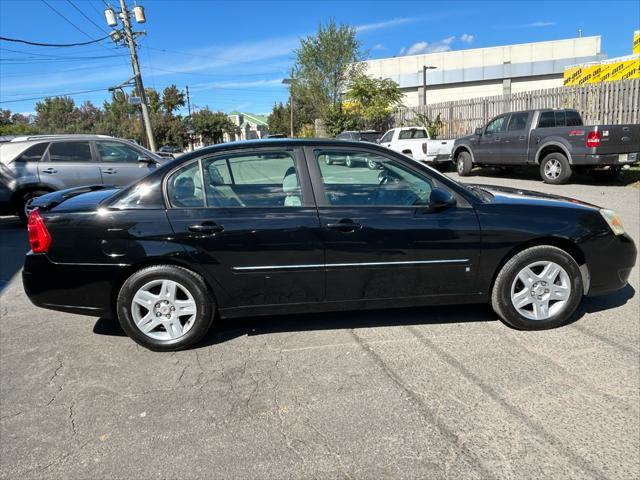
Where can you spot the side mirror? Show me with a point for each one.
(441, 199)
(146, 160)
(479, 132)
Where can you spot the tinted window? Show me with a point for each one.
(117, 152)
(70, 152)
(252, 180)
(573, 119)
(371, 180)
(561, 120)
(344, 136)
(184, 187)
(412, 133)
(518, 121)
(495, 126)
(547, 120)
(33, 153)
(388, 137)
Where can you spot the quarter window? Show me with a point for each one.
(117, 152)
(252, 180)
(518, 121)
(495, 126)
(70, 152)
(184, 187)
(354, 178)
(33, 153)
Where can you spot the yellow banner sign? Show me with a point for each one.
(636, 42)
(604, 72)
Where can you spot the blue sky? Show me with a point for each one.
(233, 55)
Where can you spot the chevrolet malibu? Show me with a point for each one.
(271, 227)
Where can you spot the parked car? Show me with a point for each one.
(360, 135)
(169, 149)
(415, 142)
(39, 164)
(268, 227)
(555, 140)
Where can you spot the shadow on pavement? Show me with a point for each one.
(228, 329)
(13, 246)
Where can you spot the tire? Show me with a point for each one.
(609, 175)
(555, 169)
(442, 167)
(153, 284)
(560, 293)
(464, 164)
(348, 162)
(23, 203)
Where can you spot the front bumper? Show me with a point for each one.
(610, 263)
(85, 289)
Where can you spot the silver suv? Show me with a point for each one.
(34, 165)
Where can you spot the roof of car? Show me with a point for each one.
(30, 138)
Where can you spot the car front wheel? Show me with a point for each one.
(165, 307)
(464, 164)
(538, 288)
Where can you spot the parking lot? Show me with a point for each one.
(447, 392)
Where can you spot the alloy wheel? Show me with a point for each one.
(553, 169)
(541, 290)
(164, 309)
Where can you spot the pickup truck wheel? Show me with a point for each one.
(24, 205)
(608, 175)
(464, 164)
(555, 169)
(348, 162)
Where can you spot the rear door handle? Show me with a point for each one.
(207, 228)
(109, 171)
(49, 170)
(522, 137)
(345, 226)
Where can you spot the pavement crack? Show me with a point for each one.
(72, 419)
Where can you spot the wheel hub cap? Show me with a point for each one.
(541, 290)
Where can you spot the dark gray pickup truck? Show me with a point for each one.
(555, 140)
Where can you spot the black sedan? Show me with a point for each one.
(270, 227)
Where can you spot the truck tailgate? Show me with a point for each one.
(618, 139)
(439, 147)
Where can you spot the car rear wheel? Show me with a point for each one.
(464, 164)
(555, 169)
(24, 205)
(165, 308)
(538, 288)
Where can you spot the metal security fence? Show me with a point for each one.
(603, 103)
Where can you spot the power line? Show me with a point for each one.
(85, 16)
(40, 44)
(68, 94)
(66, 19)
(49, 56)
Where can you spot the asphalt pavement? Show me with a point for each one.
(447, 392)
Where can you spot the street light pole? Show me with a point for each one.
(424, 82)
(289, 81)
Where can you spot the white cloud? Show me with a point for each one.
(467, 38)
(418, 48)
(389, 23)
(378, 46)
(529, 25)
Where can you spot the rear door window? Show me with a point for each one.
(33, 153)
(547, 120)
(573, 119)
(518, 121)
(561, 119)
(70, 152)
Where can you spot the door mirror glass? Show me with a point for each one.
(146, 160)
(441, 198)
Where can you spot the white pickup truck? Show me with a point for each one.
(416, 143)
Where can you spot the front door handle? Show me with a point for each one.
(109, 171)
(345, 226)
(49, 170)
(207, 228)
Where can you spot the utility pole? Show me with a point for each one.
(190, 130)
(289, 81)
(116, 35)
(188, 100)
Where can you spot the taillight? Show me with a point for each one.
(424, 147)
(39, 237)
(593, 139)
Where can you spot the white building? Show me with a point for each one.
(483, 72)
(251, 126)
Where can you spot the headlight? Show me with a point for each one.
(613, 220)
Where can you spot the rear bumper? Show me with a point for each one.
(82, 289)
(610, 264)
(438, 158)
(607, 159)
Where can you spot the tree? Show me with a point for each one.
(325, 64)
(432, 126)
(15, 124)
(172, 99)
(371, 100)
(55, 115)
(212, 125)
(120, 119)
(280, 119)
